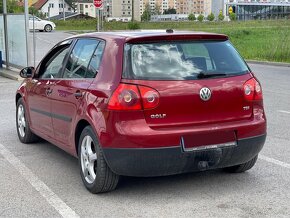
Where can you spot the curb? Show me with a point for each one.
(10, 74)
(279, 64)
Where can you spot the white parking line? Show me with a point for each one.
(44, 40)
(286, 112)
(274, 161)
(61, 207)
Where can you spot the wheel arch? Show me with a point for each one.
(17, 97)
(78, 131)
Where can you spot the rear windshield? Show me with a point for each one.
(181, 60)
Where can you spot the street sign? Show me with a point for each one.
(98, 3)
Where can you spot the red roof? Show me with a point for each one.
(39, 4)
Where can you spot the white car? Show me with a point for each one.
(41, 25)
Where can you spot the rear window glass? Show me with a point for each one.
(181, 60)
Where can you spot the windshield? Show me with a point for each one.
(184, 60)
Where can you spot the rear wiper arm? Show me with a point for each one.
(202, 75)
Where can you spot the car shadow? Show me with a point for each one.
(199, 182)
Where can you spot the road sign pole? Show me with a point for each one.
(98, 17)
(6, 33)
(98, 4)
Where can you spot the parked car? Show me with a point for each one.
(41, 25)
(148, 103)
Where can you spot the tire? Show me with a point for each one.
(24, 132)
(48, 28)
(95, 173)
(242, 167)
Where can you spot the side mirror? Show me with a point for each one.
(27, 72)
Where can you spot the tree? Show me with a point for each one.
(221, 17)
(156, 10)
(191, 17)
(200, 18)
(146, 13)
(211, 17)
(170, 11)
(12, 7)
(233, 16)
(34, 11)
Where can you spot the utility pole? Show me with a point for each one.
(26, 18)
(63, 2)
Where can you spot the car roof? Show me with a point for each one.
(153, 34)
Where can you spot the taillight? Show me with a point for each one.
(129, 97)
(125, 97)
(253, 90)
(150, 97)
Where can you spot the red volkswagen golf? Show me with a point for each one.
(144, 104)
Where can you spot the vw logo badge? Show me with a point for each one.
(205, 94)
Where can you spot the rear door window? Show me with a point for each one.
(181, 60)
(80, 57)
(96, 60)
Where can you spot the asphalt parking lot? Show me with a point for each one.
(44, 42)
(40, 180)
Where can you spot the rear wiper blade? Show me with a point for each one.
(202, 75)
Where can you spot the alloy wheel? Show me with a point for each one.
(21, 122)
(88, 159)
(48, 28)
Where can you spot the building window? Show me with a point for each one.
(61, 5)
(50, 5)
(86, 6)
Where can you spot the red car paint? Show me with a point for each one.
(186, 114)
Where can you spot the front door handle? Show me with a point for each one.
(78, 94)
(48, 91)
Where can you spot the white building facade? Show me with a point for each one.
(52, 8)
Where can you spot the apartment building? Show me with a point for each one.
(194, 6)
(162, 4)
(123, 8)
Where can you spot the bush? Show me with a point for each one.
(221, 17)
(133, 25)
(200, 18)
(211, 17)
(191, 17)
(233, 16)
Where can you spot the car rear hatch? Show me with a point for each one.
(198, 81)
(181, 103)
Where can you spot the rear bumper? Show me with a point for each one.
(174, 160)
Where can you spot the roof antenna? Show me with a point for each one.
(169, 31)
